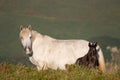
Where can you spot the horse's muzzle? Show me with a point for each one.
(28, 50)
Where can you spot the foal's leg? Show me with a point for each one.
(91, 62)
(79, 61)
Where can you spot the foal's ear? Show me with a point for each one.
(30, 27)
(89, 44)
(95, 44)
(21, 27)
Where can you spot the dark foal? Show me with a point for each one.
(91, 58)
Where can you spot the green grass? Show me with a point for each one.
(73, 72)
(96, 20)
(21, 72)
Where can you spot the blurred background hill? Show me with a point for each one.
(93, 20)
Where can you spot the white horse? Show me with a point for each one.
(46, 52)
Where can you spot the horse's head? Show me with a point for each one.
(92, 48)
(26, 38)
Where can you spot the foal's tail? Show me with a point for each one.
(101, 60)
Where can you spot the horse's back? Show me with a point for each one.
(58, 53)
(77, 47)
(67, 51)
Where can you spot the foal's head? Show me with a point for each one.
(92, 49)
(93, 55)
(26, 38)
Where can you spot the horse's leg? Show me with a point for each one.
(39, 68)
(42, 67)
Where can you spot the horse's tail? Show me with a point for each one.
(101, 60)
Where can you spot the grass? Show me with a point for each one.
(95, 20)
(21, 72)
(73, 72)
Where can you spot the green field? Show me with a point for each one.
(20, 72)
(96, 20)
(93, 20)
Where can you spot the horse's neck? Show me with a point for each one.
(35, 34)
(48, 38)
(92, 52)
(89, 53)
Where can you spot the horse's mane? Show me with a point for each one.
(35, 33)
(48, 37)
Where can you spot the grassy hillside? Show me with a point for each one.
(20, 72)
(73, 72)
(93, 20)
(66, 19)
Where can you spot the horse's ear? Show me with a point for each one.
(30, 27)
(21, 27)
(95, 44)
(89, 44)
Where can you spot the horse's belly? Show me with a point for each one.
(57, 55)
